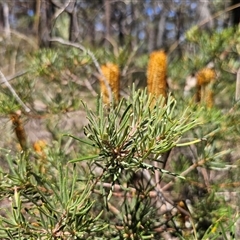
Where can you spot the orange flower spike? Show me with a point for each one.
(205, 76)
(204, 89)
(39, 145)
(209, 98)
(157, 74)
(111, 73)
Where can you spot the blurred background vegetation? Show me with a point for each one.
(51, 52)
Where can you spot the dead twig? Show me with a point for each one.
(155, 193)
(184, 173)
(26, 108)
(203, 22)
(12, 77)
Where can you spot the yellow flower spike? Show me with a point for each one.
(204, 87)
(39, 146)
(205, 76)
(157, 74)
(111, 73)
(209, 98)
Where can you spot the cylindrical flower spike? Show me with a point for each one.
(111, 73)
(204, 91)
(205, 76)
(157, 74)
(209, 98)
(19, 129)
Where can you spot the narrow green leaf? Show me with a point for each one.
(188, 143)
(79, 139)
(83, 158)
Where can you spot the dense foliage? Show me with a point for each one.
(146, 167)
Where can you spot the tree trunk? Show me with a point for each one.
(107, 4)
(37, 6)
(6, 25)
(1, 18)
(204, 14)
(119, 20)
(236, 13)
(92, 33)
(237, 96)
(151, 37)
(74, 29)
(161, 28)
(45, 23)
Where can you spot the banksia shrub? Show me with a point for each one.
(157, 73)
(111, 73)
(204, 91)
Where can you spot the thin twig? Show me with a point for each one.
(155, 193)
(237, 94)
(130, 58)
(160, 194)
(184, 173)
(203, 22)
(149, 179)
(91, 54)
(61, 10)
(26, 109)
(218, 14)
(66, 74)
(25, 37)
(18, 74)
